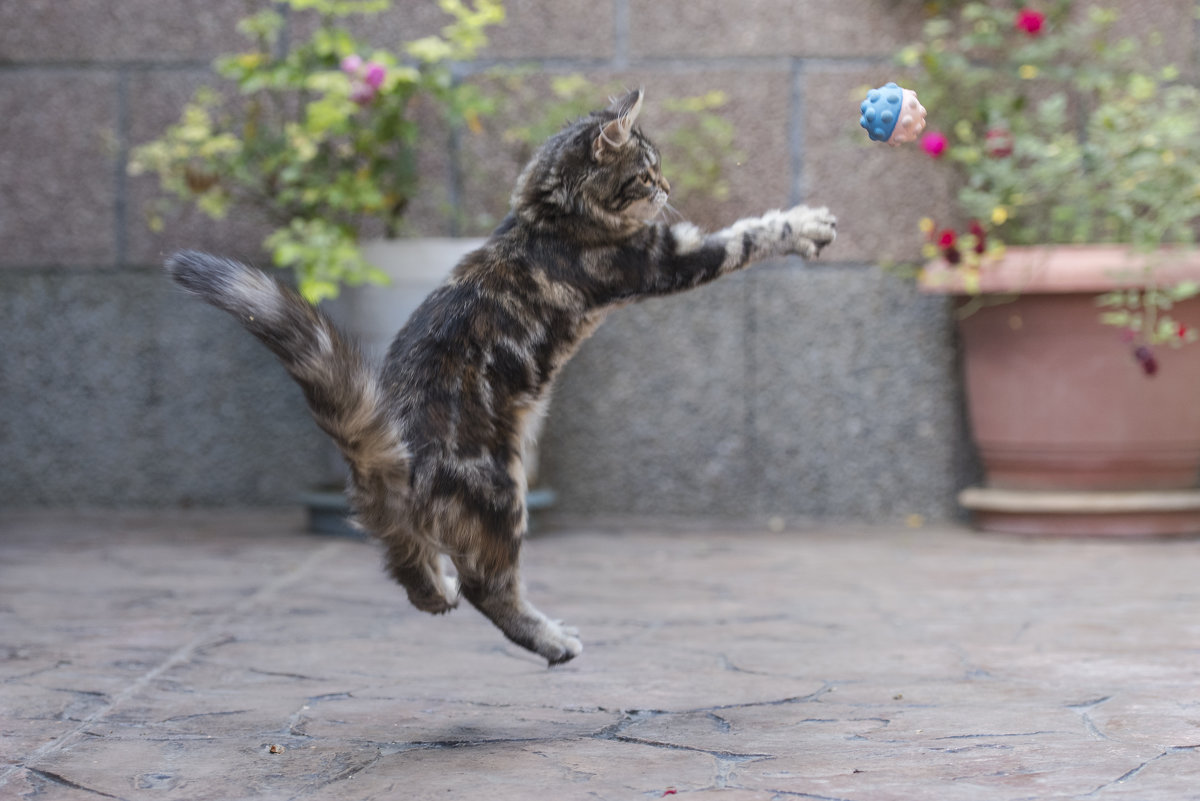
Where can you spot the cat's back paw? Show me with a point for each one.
(435, 597)
(559, 643)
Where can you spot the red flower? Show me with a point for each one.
(980, 237)
(1030, 21)
(934, 143)
(998, 142)
(1183, 331)
(1145, 358)
(946, 243)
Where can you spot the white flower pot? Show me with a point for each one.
(373, 314)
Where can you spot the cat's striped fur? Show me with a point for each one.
(435, 438)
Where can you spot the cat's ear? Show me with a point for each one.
(615, 135)
(628, 106)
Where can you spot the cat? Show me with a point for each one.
(435, 437)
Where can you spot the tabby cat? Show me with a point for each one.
(435, 437)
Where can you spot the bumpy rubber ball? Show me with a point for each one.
(880, 111)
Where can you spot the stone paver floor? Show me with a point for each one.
(231, 656)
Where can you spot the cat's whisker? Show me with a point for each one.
(670, 212)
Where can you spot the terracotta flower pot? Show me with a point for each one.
(1058, 404)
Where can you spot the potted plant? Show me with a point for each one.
(1079, 194)
(321, 136)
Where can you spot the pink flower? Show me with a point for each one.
(1030, 21)
(365, 78)
(362, 94)
(375, 74)
(934, 143)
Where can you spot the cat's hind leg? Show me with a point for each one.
(419, 569)
(503, 602)
(493, 586)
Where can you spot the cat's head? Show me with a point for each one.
(598, 172)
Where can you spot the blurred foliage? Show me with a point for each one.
(1061, 131)
(321, 136)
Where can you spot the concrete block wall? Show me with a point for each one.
(825, 390)
(114, 389)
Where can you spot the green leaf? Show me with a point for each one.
(327, 114)
(264, 26)
(1184, 290)
(430, 49)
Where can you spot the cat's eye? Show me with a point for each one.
(646, 178)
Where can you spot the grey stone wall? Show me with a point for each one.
(823, 390)
(119, 390)
(786, 391)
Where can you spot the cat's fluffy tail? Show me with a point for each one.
(342, 392)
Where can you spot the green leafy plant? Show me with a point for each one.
(1060, 131)
(320, 136)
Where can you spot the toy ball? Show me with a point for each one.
(892, 114)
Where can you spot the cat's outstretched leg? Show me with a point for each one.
(501, 598)
(800, 230)
(685, 257)
(504, 604)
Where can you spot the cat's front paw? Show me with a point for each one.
(812, 229)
